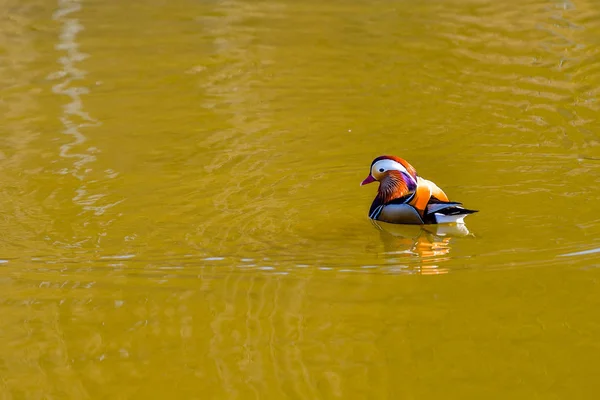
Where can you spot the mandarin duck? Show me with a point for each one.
(404, 197)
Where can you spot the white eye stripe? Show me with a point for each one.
(388, 165)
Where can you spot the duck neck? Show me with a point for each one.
(395, 185)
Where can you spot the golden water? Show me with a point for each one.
(181, 214)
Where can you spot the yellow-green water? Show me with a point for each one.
(181, 215)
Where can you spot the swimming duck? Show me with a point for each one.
(406, 198)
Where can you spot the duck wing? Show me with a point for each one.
(426, 190)
(445, 212)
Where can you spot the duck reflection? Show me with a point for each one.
(419, 248)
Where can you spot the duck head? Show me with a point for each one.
(395, 175)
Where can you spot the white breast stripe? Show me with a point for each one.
(408, 199)
(376, 212)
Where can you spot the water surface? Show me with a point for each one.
(182, 218)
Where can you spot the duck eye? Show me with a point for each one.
(381, 170)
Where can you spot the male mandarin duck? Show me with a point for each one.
(406, 198)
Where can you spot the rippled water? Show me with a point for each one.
(181, 213)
